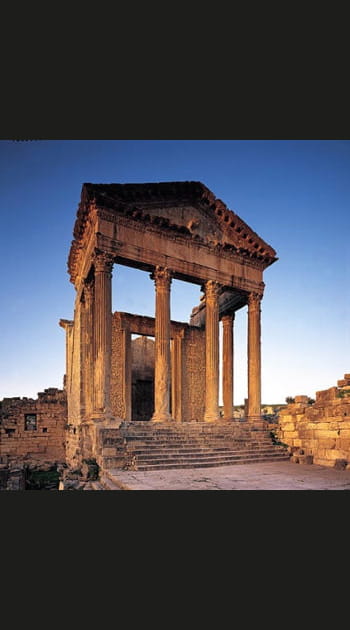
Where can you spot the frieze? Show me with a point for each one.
(129, 204)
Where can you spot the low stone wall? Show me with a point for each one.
(319, 433)
(32, 432)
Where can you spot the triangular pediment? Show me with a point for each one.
(188, 209)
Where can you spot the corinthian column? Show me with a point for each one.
(162, 280)
(211, 351)
(227, 367)
(254, 360)
(103, 263)
(88, 363)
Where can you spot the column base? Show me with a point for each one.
(162, 418)
(212, 418)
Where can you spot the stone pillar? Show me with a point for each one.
(176, 377)
(211, 351)
(88, 347)
(103, 263)
(254, 360)
(127, 373)
(227, 365)
(162, 280)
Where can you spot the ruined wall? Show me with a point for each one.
(193, 384)
(32, 432)
(320, 432)
(189, 373)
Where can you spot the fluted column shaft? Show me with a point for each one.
(89, 345)
(227, 367)
(102, 332)
(254, 357)
(211, 351)
(162, 280)
(176, 378)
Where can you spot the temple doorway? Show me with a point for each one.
(142, 371)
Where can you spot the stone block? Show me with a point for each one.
(109, 451)
(289, 426)
(335, 453)
(326, 394)
(290, 435)
(323, 461)
(328, 443)
(324, 433)
(301, 399)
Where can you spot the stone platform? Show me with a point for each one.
(146, 446)
(280, 475)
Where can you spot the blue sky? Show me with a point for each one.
(294, 194)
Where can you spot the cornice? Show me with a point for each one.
(130, 202)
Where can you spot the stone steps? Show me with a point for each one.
(169, 454)
(196, 461)
(212, 464)
(143, 446)
(175, 448)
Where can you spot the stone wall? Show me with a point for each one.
(32, 432)
(126, 364)
(319, 433)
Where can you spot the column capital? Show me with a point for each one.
(211, 289)
(254, 300)
(228, 319)
(103, 262)
(162, 277)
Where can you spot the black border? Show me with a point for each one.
(205, 105)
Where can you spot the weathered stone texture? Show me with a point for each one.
(118, 401)
(46, 443)
(193, 401)
(323, 429)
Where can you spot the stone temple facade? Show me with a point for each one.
(171, 230)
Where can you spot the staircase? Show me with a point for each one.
(146, 446)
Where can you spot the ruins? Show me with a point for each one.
(172, 230)
(318, 432)
(32, 435)
(142, 392)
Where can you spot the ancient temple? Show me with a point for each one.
(173, 230)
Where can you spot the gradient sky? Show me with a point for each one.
(294, 194)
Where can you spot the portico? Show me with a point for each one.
(175, 230)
